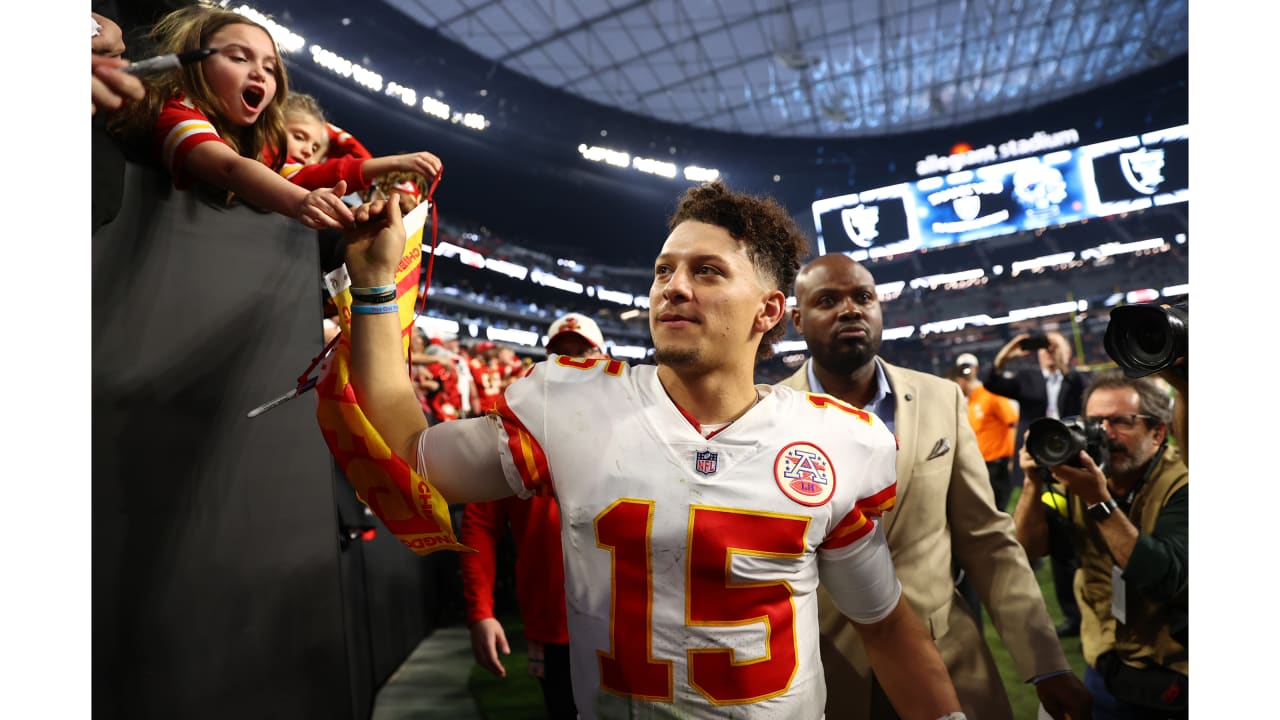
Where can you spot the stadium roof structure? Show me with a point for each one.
(816, 68)
(576, 125)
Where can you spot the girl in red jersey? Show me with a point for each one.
(318, 158)
(218, 123)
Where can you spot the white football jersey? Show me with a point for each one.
(692, 563)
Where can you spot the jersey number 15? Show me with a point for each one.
(715, 534)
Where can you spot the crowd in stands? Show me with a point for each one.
(230, 129)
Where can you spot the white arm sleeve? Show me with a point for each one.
(461, 459)
(861, 579)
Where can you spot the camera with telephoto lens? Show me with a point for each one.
(1146, 338)
(1055, 442)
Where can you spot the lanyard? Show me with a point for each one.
(306, 380)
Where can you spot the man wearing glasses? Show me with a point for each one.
(1130, 529)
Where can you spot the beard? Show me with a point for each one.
(842, 357)
(676, 357)
(1127, 463)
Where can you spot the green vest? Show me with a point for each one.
(1145, 639)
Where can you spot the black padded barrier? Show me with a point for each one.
(221, 587)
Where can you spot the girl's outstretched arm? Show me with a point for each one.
(217, 164)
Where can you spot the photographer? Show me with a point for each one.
(1129, 520)
(1051, 388)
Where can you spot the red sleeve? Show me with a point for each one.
(482, 525)
(526, 454)
(861, 519)
(343, 144)
(179, 128)
(327, 174)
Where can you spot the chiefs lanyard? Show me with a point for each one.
(307, 381)
(406, 503)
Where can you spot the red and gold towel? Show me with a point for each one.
(405, 502)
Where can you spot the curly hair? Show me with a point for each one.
(383, 186)
(773, 241)
(189, 28)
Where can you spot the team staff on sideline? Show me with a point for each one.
(535, 525)
(994, 420)
(946, 515)
(699, 509)
(1130, 527)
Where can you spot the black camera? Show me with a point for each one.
(1035, 342)
(1055, 442)
(1146, 338)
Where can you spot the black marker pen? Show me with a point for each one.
(160, 63)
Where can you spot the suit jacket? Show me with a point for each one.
(1027, 386)
(945, 512)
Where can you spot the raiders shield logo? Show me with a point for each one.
(705, 461)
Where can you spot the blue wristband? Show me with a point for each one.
(375, 309)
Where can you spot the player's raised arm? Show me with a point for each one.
(461, 457)
(378, 375)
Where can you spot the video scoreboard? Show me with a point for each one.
(1055, 188)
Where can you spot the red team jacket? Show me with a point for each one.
(535, 524)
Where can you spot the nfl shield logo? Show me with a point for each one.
(705, 461)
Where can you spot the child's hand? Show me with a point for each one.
(423, 163)
(323, 208)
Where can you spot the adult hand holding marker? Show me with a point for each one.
(172, 61)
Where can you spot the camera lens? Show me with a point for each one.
(1051, 442)
(1149, 345)
(1144, 339)
(1055, 445)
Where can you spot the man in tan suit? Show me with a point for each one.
(945, 516)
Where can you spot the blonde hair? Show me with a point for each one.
(302, 103)
(189, 28)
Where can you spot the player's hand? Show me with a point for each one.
(111, 87)
(423, 163)
(323, 208)
(1064, 697)
(375, 244)
(487, 640)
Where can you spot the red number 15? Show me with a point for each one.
(715, 534)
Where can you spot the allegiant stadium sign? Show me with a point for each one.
(1039, 142)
